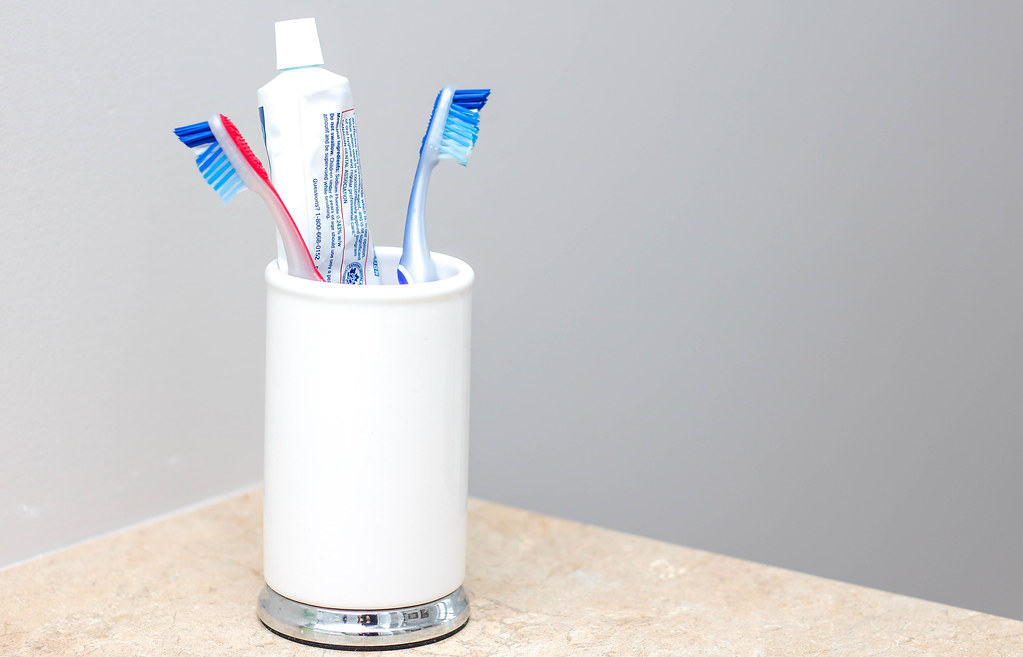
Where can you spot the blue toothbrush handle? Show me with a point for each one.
(415, 265)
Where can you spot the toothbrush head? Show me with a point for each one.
(461, 125)
(225, 176)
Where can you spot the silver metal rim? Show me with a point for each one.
(363, 629)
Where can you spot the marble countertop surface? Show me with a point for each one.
(539, 586)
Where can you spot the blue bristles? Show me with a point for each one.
(195, 135)
(461, 130)
(214, 166)
(471, 98)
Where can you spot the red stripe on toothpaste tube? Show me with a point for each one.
(308, 119)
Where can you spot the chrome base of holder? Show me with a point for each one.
(372, 629)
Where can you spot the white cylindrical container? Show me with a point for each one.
(366, 453)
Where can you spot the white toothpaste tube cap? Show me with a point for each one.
(297, 44)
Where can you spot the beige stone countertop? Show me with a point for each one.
(539, 586)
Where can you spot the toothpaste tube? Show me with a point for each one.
(308, 122)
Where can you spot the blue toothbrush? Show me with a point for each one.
(453, 130)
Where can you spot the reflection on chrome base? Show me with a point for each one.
(373, 629)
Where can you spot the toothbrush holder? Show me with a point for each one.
(366, 458)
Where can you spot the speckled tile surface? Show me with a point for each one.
(539, 586)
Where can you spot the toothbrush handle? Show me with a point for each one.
(416, 265)
(300, 262)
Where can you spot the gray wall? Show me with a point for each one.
(748, 273)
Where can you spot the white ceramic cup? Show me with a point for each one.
(367, 437)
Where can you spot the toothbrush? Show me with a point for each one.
(451, 134)
(229, 166)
